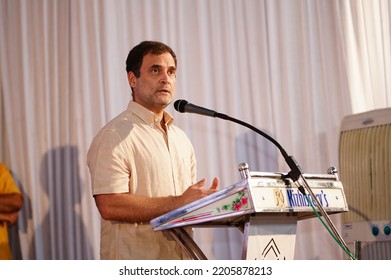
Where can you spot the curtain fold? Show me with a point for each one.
(291, 68)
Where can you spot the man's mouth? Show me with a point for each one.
(164, 91)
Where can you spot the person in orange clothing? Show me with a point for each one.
(11, 201)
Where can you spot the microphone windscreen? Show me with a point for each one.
(180, 105)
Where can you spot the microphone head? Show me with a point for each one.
(180, 105)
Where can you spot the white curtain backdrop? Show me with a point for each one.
(292, 68)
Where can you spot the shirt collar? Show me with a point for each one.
(146, 115)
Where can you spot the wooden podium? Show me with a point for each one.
(264, 206)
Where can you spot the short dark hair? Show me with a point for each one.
(136, 55)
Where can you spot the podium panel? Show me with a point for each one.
(264, 206)
(270, 238)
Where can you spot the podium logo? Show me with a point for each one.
(280, 200)
(271, 252)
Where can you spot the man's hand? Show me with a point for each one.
(9, 218)
(195, 192)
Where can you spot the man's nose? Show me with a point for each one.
(165, 78)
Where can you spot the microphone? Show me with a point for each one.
(183, 106)
(295, 173)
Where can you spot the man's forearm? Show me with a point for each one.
(10, 203)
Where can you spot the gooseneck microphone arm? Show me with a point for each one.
(183, 106)
(295, 173)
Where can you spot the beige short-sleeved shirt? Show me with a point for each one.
(132, 153)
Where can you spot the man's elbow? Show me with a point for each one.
(105, 213)
(103, 208)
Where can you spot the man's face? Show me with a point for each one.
(155, 88)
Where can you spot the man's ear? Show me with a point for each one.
(132, 79)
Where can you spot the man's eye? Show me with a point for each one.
(155, 71)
